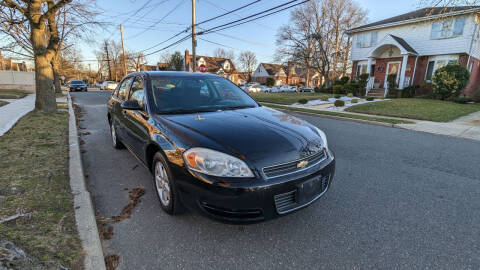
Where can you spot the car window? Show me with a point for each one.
(123, 89)
(187, 95)
(136, 91)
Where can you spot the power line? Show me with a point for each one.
(205, 21)
(252, 17)
(159, 21)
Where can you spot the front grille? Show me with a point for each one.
(285, 201)
(292, 166)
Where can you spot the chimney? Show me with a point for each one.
(187, 60)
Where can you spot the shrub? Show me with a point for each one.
(303, 101)
(350, 95)
(450, 80)
(337, 96)
(362, 83)
(462, 100)
(392, 81)
(344, 80)
(355, 100)
(409, 91)
(338, 89)
(324, 98)
(317, 89)
(370, 98)
(270, 82)
(339, 103)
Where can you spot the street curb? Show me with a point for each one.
(82, 201)
(342, 118)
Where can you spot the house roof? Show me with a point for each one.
(404, 44)
(424, 13)
(214, 64)
(272, 69)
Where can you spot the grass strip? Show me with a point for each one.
(339, 114)
(35, 158)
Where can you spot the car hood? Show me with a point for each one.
(261, 136)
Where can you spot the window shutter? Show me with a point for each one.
(458, 28)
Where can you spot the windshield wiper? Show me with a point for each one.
(185, 111)
(237, 107)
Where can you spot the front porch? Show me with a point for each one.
(392, 56)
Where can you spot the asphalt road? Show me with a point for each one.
(400, 200)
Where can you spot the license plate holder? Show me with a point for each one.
(310, 188)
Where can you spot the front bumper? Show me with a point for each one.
(249, 201)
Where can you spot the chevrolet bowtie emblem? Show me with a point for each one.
(302, 164)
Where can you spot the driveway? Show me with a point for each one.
(401, 199)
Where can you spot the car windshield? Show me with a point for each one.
(191, 95)
(76, 82)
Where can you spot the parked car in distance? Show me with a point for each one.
(193, 132)
(77, 85)
(264, 89)
(108, 85)
(284, 88)
(305, 89)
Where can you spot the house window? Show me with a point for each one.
(448, 28)
(365, 40)
(433, 66)
(361, 69)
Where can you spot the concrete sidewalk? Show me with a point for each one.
(12, 112)
(464, 127)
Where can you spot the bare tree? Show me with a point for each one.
(315, 37)
(248, 62)
(222, 53)
(36, 19)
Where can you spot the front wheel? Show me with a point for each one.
(165, 186)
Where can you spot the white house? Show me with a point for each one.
(414, 45)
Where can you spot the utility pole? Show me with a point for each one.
(108, 62)
(194, 41)
(124, 56)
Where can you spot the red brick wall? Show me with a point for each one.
(381, 68)
(473, 87)
(421, 70)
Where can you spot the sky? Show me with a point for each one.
(149, 22)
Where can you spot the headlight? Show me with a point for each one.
(323, 136)
(215, 163)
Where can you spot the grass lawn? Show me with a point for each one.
(3, 103)
(339, 114)
(13, 93)
(417, 108)
(35, 157)
(286, 98)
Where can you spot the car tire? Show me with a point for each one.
(117, 144)
(165, 186)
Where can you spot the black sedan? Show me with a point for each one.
(212, 148)
(78, 86)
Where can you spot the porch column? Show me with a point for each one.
(369, 66)
(402, 72)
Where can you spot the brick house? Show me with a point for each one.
(283, 74)
(8, 64)
(216, 65)
(414, 45)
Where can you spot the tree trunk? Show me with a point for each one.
(56, 75)
(45, 95)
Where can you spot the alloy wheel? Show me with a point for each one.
(162, 184)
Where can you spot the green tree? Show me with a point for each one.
(176, 61)
(270, 82)
(449, 81)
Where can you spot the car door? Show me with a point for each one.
(115, 106)
(136, 121)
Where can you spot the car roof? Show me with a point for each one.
(177, 74)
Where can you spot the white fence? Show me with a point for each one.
(17, 80)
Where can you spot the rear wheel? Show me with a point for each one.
(165, 186)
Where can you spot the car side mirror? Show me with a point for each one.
(131, 105)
